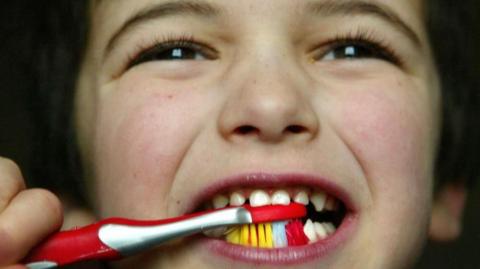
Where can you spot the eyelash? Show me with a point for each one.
(170, 42)
(365, 39)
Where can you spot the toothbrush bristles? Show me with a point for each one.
(268, 235)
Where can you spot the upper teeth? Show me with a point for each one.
(259, 198)
(331, 204)
(280, 197)
(236, 199)
(301, 197)
(219, 201)
(319, 199)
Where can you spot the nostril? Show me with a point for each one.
(246, 129)
(295, 129)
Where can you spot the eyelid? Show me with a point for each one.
(169, 42)
(360, 38)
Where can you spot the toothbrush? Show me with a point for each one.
(115, 238)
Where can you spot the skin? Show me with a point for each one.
(154, 135)
(161, 131)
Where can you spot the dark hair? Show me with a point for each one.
(58, 41)
(454, 36)
(49, 40)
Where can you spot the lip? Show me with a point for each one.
(268, 180)
(288, 255)
(284, 256)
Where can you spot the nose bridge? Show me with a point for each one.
(270, 93)
(272, 77)
(269, 55)
(269, 98)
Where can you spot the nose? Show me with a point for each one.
(271, 105)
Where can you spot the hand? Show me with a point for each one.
(26, 215)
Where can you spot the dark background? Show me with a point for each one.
(16, 138)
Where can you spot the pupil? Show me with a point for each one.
(352, 52)
(178, 54)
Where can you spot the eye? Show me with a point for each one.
(357, 48)
(175, 50)
(352, 52)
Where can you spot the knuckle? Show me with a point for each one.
(11, 181)
(47, 201)
(10, 167)
(11, 174)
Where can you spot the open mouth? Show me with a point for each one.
(325, 214)
(330, 221)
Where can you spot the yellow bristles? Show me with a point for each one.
(233, 235)
(244, 235)
(269, 235)
(253, 235)
(265, 235)
(261, 236)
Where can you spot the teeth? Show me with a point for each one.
(301, 197)
(280, 197)
(320, 230)
(237, 199)
(278, 234)
(309, 230)
(218, 232)
(259, 198)
(331, 204)
(329, 227)
(220, 201)
(318, 200)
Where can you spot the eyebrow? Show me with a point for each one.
(173, 8)
(351, 8)
(206, 10)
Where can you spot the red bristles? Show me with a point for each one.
(295, 234)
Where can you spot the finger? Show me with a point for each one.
(16, 266)
(31, 216)
(11, 181)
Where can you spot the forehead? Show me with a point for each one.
(115, 12)
(118, 4)
(110, 17)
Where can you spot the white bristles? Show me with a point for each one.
(279, 235)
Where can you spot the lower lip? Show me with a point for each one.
(285, 256)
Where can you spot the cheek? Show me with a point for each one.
(141, 134)
(390, 132)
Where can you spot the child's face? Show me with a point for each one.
(339, 96)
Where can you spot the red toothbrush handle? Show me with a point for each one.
(272, 213)
(84, 243)
(73, 246)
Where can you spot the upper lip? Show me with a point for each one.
(270, 180)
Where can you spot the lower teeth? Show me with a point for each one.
(279, 234)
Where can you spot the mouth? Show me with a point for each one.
(329, 221)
